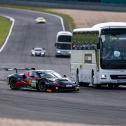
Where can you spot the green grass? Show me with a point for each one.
(68, 20)
(5, 25)
(84, 38)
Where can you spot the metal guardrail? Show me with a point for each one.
(51, 0)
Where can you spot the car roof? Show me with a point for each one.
(40, 18)
(38, 48)
(64, 33)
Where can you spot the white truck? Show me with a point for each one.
(103, 64)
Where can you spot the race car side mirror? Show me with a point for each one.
(32, 76)
(24, 77)
(33, 68)
(65, 76)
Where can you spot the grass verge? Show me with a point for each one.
(68, 20)
(5, 25)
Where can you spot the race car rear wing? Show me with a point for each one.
(16, 69)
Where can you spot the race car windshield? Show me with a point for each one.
(56, 74)
(48, 74)
(38, 49)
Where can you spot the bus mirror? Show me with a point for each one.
(98, 45)
(65, 76)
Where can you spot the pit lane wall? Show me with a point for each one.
(114, 1)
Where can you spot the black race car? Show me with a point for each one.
(42, 80)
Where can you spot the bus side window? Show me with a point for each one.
(87, 58)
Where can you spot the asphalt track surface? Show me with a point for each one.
(89, 106)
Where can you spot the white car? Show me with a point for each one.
(38, 52)
(40, 20)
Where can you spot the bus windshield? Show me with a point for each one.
(63, 46)
(113, 48)
(64, 38)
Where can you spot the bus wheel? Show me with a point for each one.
(110, 86)
(12, 83)
(96, 86)
(113, 86)
(84, 84)
(116, 85)
(41, 86)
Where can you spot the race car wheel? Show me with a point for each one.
(12, 83)
(41, 86)
(60, 90)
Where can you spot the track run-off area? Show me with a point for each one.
(88, 107)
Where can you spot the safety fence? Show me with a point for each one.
(50, 1)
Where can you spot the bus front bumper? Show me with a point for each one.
(63, 53)
(111, 81)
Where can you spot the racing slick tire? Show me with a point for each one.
(60, 90)
(12, 83)
(41, 86)
(111, 86)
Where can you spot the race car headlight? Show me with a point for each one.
(103, 76)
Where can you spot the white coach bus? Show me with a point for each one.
(63, 43)
(98, 55)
